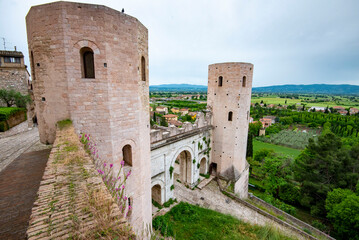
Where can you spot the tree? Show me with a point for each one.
(343, 211)
(320, 168)
(249, 146)
(262, 154)
(276, 169)
(11, 98)
(254, 128)
(8, 97)
(163, 122)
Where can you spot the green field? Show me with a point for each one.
(257, 145)
(274, 99)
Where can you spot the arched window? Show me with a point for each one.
(220, 81)
(127, 154)
(230, 116)
(244, 81)
(87, 63)
(143, 68)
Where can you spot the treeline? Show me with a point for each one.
(194, 106)
(343, 126)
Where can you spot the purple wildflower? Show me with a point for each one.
(111, 165)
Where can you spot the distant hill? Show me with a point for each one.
(178, 88)
(313, 88)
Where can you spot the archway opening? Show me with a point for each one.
(156, 194)
(202, 168)
(213, 168)
(127, 154)
(184, 164)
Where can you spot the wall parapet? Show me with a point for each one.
(298, 232)
(159, 133)
(289, 217)
(73, 201)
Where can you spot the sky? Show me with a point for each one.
(289, 42)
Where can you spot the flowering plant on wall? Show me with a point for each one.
(115, 182)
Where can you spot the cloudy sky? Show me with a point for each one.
(289, 42)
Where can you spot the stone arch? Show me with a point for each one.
(87, 43)
(187, 148)
(203, 166)
(185, 155)
(157, 191)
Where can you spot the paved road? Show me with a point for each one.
(13, 146)
(19, 183)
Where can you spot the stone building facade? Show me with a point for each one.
(90, 64)
(229, 96)
(13, 72)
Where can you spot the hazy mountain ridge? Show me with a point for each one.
(312, 88)
(289, 88)
(178, 87)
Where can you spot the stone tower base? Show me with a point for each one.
(241, 185)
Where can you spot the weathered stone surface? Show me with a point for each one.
(230, 132)
(66, 205)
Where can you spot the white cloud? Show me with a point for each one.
(288, 41)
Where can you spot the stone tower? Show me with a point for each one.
(229, 95)
(90, 64)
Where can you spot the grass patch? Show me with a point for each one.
(189, 222)
(205, 175)
(64, 123)
(6, 112)
(257, 145)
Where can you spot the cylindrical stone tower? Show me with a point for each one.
(90, 64)
(229, 96)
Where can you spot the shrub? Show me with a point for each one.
(171, 171)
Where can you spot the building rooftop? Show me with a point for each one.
(5, 53)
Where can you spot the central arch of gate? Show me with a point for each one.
(181, 157)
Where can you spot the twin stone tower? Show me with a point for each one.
(89, 63)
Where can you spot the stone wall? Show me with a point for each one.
(289, 217)
(73, 202)
(159, 133)
(14, 78)
(164, 154)
(113, 106)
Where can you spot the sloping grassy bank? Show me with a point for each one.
(189, 222)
